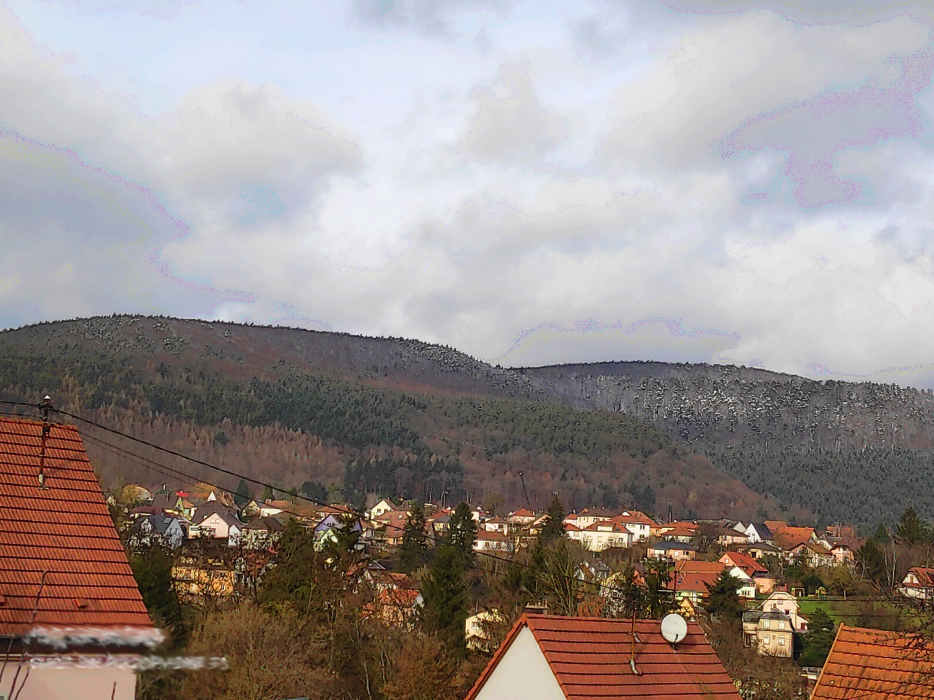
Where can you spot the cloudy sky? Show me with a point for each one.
(530, 182)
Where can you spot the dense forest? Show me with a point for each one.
(282, 408)
(383, 416)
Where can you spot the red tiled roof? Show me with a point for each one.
(744, 562)
(635, 517)
(590, 658)
(65, 530)
(875, 665)
(924, 575)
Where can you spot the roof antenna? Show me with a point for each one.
(632, 646)
(45, 407)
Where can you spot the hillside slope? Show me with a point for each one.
(353, 416)
(845, 451)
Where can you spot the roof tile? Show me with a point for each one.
(63, 531)
(590, 658)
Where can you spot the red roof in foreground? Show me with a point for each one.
(65, 530)
(590, 660)
(875, 665)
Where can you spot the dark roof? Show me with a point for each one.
(875, 665)
(667, 545)
(265, 523)
(590, 658)
(63, 531)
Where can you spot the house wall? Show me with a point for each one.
(775, 643)
(68, 683)
(522, 674)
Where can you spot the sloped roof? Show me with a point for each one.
(744, 562)
(63, 531)
(875, 665)
(635, 517)
(590, 658)
(924, 575)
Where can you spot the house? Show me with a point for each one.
(678, 532)
(589, 516)
(758, 532)
(555, 658)
(744, 562)
(385, 506)
(487, 541)
(65, 583)
(693, 579)
(918, 583)
(868, 664)
(495, 525)
(761, 550)
(521, 517)
(398, 607)
(673, 551)
(477, 629)
(219, 525)
(637, 522)
(604, 534)
(148, 530)
(811, 554)
(772, 633)
(199, 579)
(783, 602)
(389, 526)
(765, 583)
(261, 533)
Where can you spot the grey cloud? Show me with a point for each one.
(510, 125)
(254, 153)
(433, 18)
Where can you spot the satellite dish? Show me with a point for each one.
(674, 628)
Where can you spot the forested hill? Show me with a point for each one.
(400, 417)
(341, 416)
(846, 451)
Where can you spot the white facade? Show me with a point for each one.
(522, 673)
(602, 536)
(66, 683)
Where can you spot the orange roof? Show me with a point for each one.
(590, 659)
(698, 567)
(634, 516)
(875, 665)
(59, 544)
(791, 537)
(744, 562)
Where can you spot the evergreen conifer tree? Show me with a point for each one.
(242, 496)
(414, 545)
(722, 598)
(462, 533)
(910, 528)
(818, 639)
(446, 602)
(553, 528)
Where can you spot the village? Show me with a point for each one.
(775, 565)
(651, 599)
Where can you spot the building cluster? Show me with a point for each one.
(68, 596)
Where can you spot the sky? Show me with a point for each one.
(530, 182)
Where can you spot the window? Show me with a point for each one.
(781, 641)
(765, 638)
(765, 624)
(781, 624)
